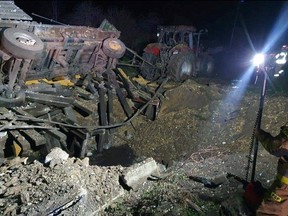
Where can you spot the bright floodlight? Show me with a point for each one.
(258, 59)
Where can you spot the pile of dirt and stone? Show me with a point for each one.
(199, 140)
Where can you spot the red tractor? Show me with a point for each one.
(178, 55)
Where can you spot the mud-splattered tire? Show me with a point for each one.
(182, 66)
(148, 71)
(114, 48)
(21, 43)
(206, 66)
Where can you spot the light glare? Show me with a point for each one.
(258, 59)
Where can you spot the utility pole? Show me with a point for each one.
(235, 22)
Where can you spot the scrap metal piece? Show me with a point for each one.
(84, 146)
(84, 94)
(110, 117)
(70, 114)
(13, 73)
(54, 133)
(38, 110)
(20, 140)
(82, 108)
(213, 182)
(35, 137)
(103, 137)
(92, 88)
(48, 99)
(150, 112)
(127, 82)
(121, 96)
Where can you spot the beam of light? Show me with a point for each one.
(279, 28)
(236, 93)
(224, 111)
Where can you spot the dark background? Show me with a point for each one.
(219, 17)
(230, 24)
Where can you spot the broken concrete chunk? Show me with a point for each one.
(53, 163)
(24, 197)
(85, 162)
(137, 174)
(56, 153)
(17, 161)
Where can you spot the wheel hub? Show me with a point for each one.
(114, 45)
(25, 39)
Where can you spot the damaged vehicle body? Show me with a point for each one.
(177, 54)
(32, 51)
(58, 84)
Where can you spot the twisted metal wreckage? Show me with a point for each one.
(59, 83)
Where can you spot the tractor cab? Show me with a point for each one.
(178, 54)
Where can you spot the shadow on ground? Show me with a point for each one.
(120, 155)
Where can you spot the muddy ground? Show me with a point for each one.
(203, 129)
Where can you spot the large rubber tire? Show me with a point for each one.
(206, 66)
(16, 40)
(114, 48)
(182, 66)
(148, 71)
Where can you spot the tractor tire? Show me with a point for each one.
(114, 48)
(21, 43)
(148, 71)
(182, 66)
(206, 66)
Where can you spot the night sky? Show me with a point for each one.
(219, 17)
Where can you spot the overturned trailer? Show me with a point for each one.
(72, 104)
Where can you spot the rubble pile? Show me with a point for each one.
(70, 186)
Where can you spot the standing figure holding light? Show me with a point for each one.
(275, 200)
